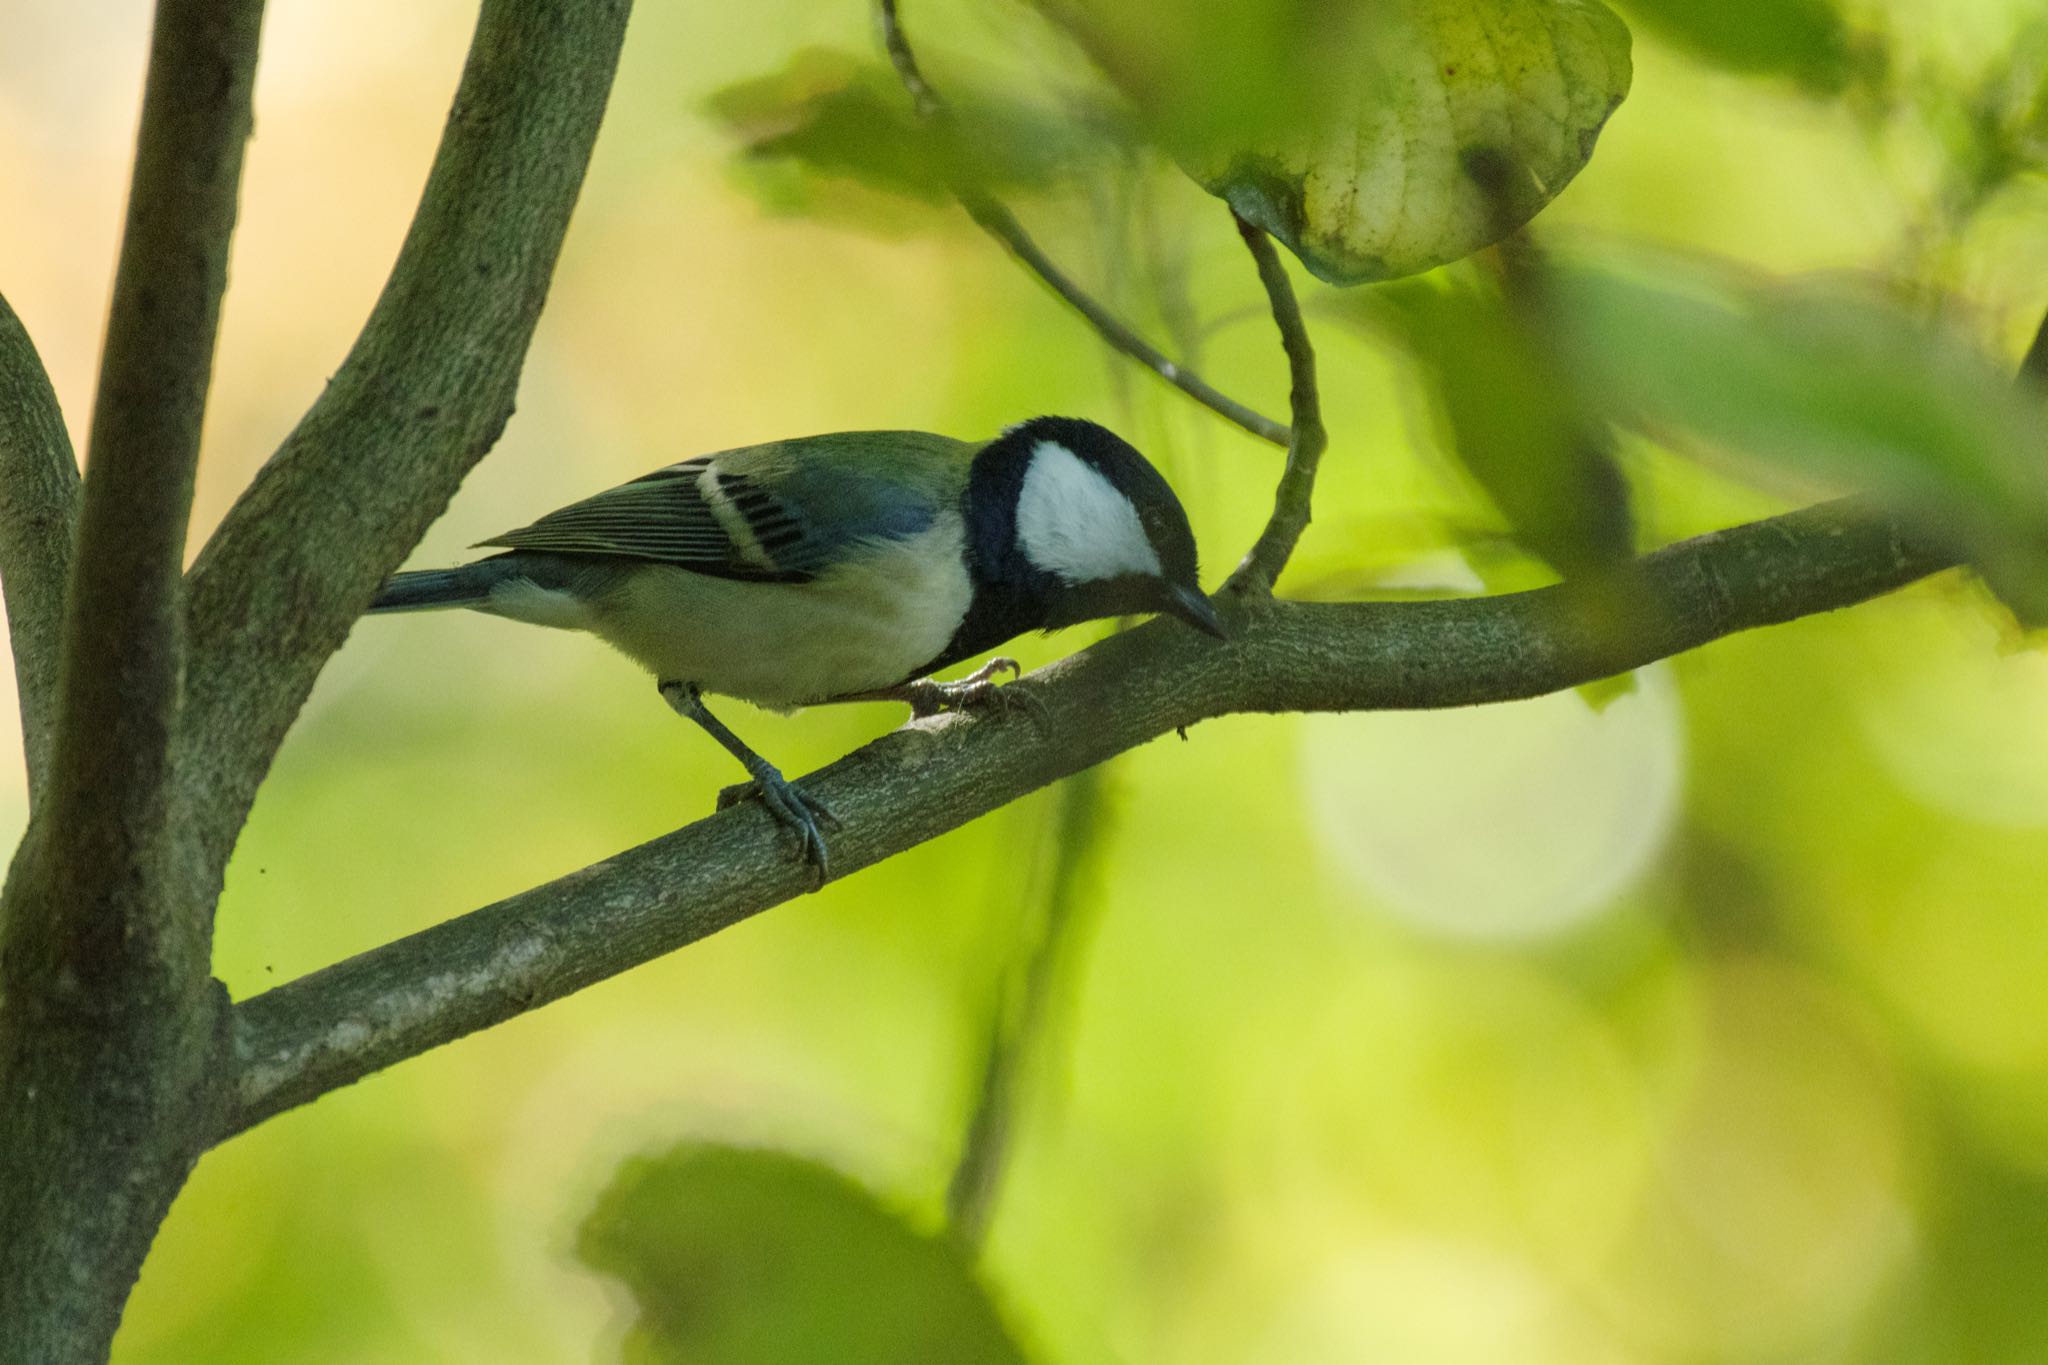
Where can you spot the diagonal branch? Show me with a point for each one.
(994, 218)
(997, 220)
(333, 1027)
(420, 399)
(38, 517)
(1306, 439)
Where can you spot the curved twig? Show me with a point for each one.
(1292, 499)
(329, 1029)
(994, 218)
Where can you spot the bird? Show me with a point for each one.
(842, 567)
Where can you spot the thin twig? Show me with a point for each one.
(994, 218)
(1076, 838)
(304, 1039)
(1000, 223)
(922, 97)
(1292, 499)
(38, 518)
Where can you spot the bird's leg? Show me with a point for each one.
(929, 696)
(800, 812)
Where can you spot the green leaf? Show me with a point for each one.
(2016, 104)
(1508, 411)
(1602, 693)
(836, 116)
(1377, 139)
(1803, 40)
(1831, 381)
(745, 1257)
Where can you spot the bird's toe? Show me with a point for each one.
(802, 815)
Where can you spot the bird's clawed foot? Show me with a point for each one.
(929, 696)
(799, 812)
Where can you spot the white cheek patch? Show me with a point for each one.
(1073, 523)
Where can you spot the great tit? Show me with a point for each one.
(846, 567)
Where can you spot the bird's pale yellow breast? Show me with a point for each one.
(868, 622)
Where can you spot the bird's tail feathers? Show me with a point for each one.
(435, 589)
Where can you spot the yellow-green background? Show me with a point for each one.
(1712, 1027)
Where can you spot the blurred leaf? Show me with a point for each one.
(745, 1257)
(2016, 102)
(1509, 413)
(1803, 40)
(833, 115)
(1602, 693)
(1834, 382)
(1203, 73)
(1377, 138)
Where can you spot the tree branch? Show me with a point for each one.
(995, 219)
(1118, 335)
(118, 685)
(420, 399)
(1306, 439)
(335, 1026)
(108, 1033)
(896, 42)
(38, 518)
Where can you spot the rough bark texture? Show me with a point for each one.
(111, 1033)
(310, 1036)
(38, 518)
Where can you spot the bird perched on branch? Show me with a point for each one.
(846, 567)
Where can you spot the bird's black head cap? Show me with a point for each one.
(1068, 523)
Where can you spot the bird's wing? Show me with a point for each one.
(773, 513)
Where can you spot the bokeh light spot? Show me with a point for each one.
(1424, 1302)
(1499, 822)
(1959, 721)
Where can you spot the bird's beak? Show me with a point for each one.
(1190, 606)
